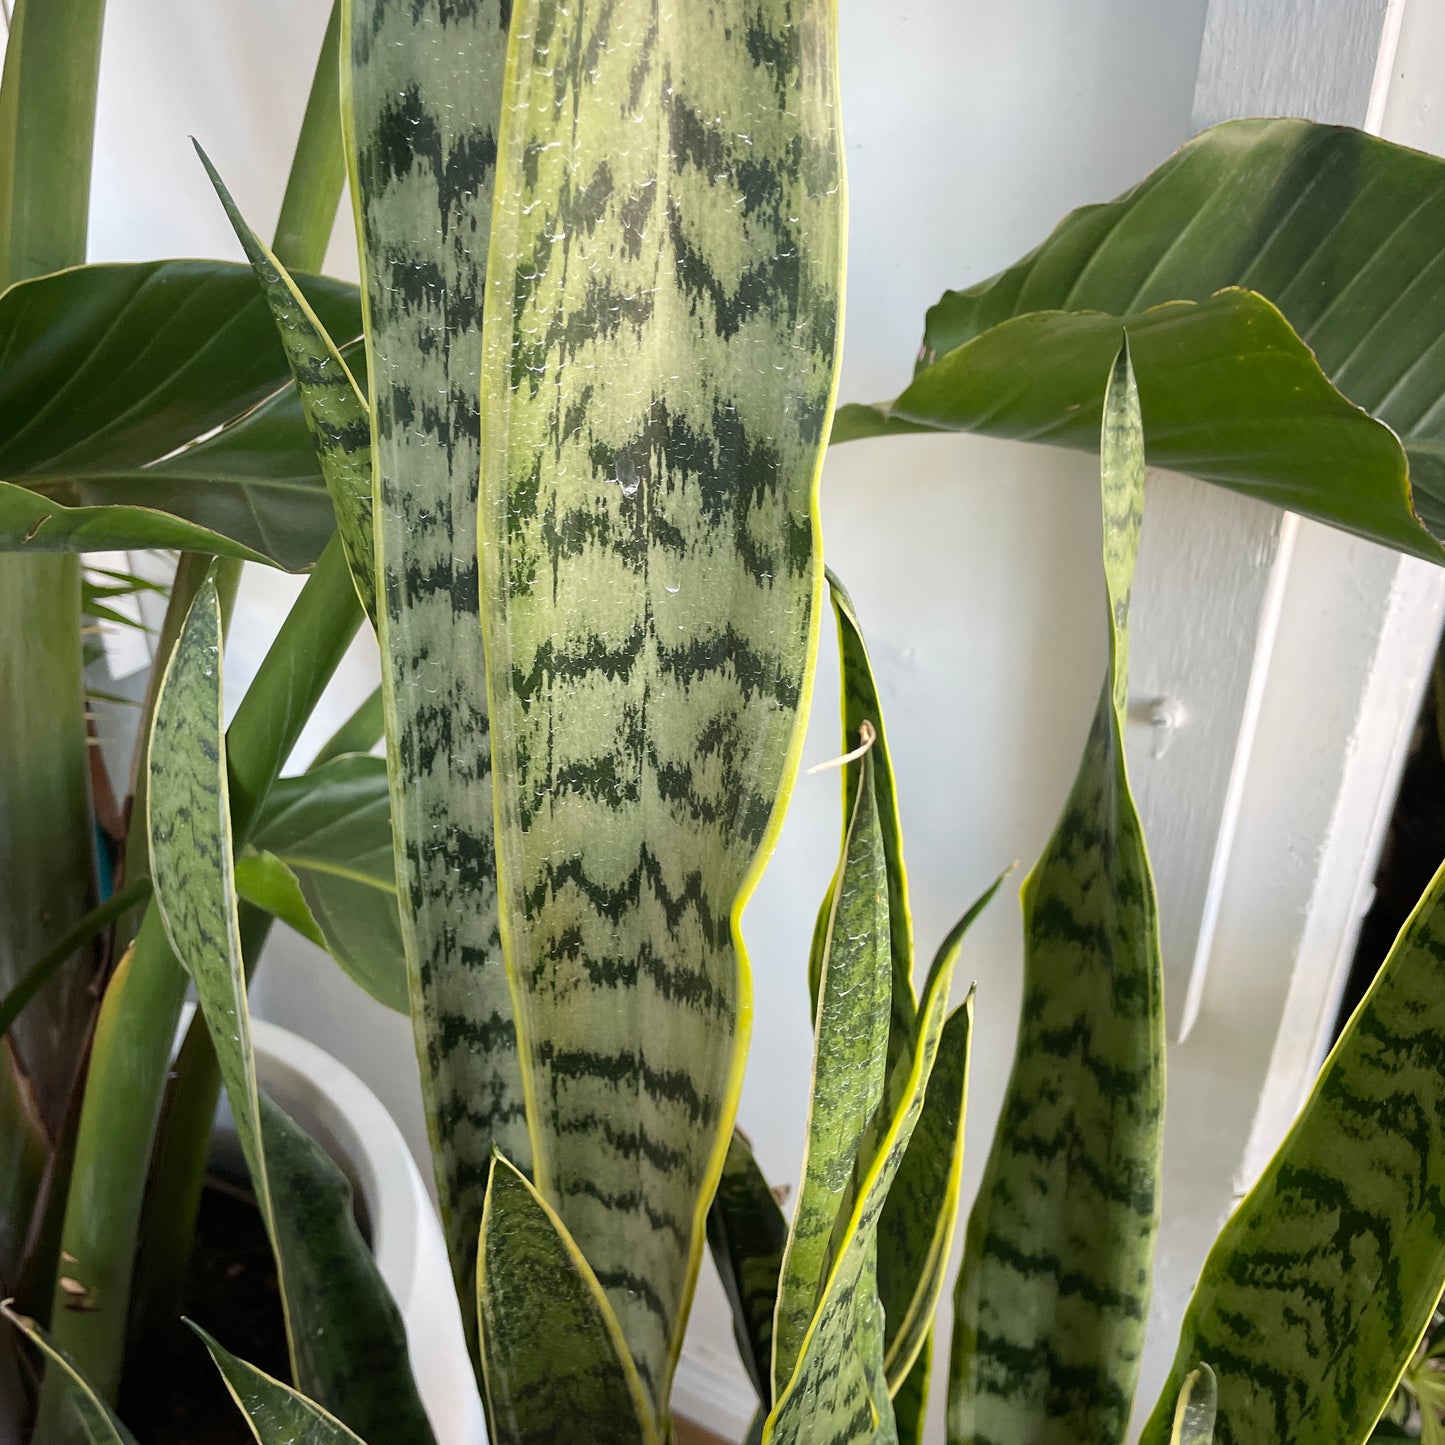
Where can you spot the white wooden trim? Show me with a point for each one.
(1205, 665)
(1336, 666)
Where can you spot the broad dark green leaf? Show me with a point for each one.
(1318, 1290)
(655, 394)
(347, 1346)
(335, 410)
(108, 370)
(838, 1392)
(555, 1362)
(277, 1414)
(331, 828)
(1053, 1295)
(1341, 233)
(910, 1403)
(421, 90)
(915, 1234)
(850, 1073)
(747, 1234)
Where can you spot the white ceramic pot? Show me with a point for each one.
(347, 1120)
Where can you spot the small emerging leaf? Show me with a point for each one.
(555, 1363)
(96, 1418)
(277, 1414)
(1194, 1414)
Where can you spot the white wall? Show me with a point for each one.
(971, 128)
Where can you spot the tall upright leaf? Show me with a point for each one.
(421, 91)
(850, 1073)
(346, 1340)
(659, 369)
(838, 1391)
(334, 408)
(1053, 1294)
(1318, 1290)
(556, 1365)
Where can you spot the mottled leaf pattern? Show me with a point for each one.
(861, 704)
(277, 1414)
(659, 368)
(747, 1234)
(1052, 1298)
(839, 1390)
(346, 1342)
(333, 406)
(1318, 1290)
(915, 1234)
(97, 1421)
(555, 1363)
(421, 90)
(331, 827)
(850, 1068)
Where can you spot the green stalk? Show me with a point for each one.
(318, 169)
(47, 125)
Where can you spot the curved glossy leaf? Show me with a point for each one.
(331, 828)
(263, 879)
(747, 1234)
(277, 1414)
(1053, 1295)
(347, 1345)
(656, 387)
(1318, 1290)
(555, 1362)
(335, 411)
(108, 370)
(850, 1073)
(860, 704)
(915, 1234)
(1338, 230)
(98, 1422)
(839, 1392)
(421, 90)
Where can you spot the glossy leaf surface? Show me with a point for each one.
(747, 1234)
(346, 1341)
(657, 379)
(110, 369)
(277, 1414)
(555, 1363)
(334, 407)
(1053, 1295)
(421, 89)
(915, 1234)
(1198, 1405)
(331, 827)
(1334, 236)
(839, 1390)
(850, 1073)
(1318, 1290)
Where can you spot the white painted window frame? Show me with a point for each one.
(1282, 712)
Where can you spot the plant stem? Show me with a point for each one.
(318, 169)
(47, 852)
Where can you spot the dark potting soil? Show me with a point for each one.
(173, 1393)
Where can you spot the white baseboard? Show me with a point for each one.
(714, 1394)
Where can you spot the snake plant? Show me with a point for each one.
(562, 450)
